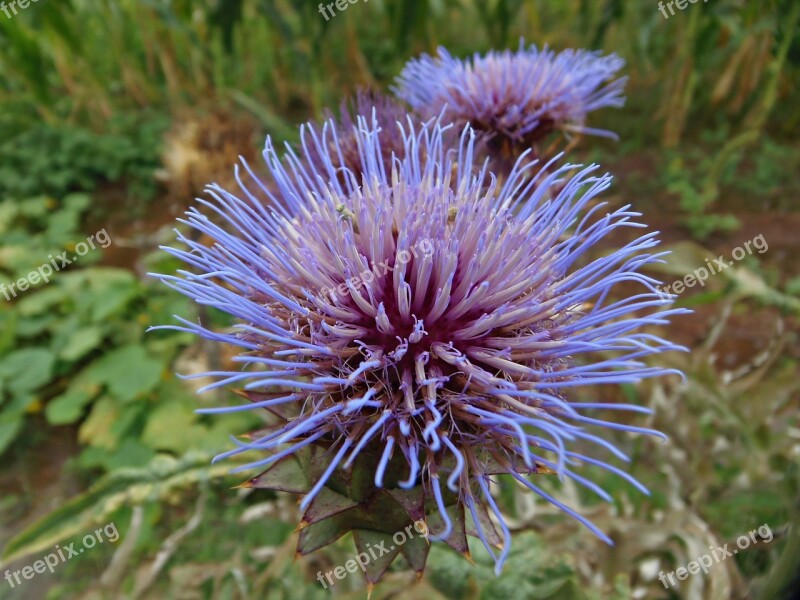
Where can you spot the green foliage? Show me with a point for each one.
(75, 349)
(696, 197)
(531, 573)
(285, 57)
(793, 286)
(37, 228)
(59, 159)
(124, 488)
(703, 177)
(770, 171)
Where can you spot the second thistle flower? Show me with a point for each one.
(516, 99)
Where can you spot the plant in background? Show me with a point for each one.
(696, 183)
(87, 322)
(58, 159)
(463, 317)
(517, 99)
(386, 112)
(201, 146)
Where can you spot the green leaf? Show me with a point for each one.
(172, 426)
(80, 342)
(9, 429)
(42, 301)
(112, 293)
(128, 372)
(28, 369)
(35, 207)
(7, 213)
(9, 326)
(104, 291)
(77, 202)
(68, 407)
(12, 418)
(33, 326)
(129, 454)
(96, 430)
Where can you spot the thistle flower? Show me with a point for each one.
(417, 332)
(382, 110)
(515, 98)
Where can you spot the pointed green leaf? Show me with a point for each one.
(381, 549)
(326, 504)
(286, 475)
(321, 534)
(487, 526)
(415, 550)
(412, 501)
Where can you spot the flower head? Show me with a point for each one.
(424, 318)
(384, 111)
(515, 98)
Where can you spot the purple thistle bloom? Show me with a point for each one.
(425, 314)
(383, 110)
(516, 98)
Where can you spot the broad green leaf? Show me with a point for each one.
(35, 207)
(8, 431)
(7, 213)
(26, 370)
(131, 454)
(96, 430)
(80, 342)
(77, 202)
(103, 290)
(42, 301)
(127, 417)
(172, 426)
(33, 326)
(111, 290)
(128, 372)
(68, 407)
(12, 417)
(9, 324)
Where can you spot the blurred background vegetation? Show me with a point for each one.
(115, 113)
